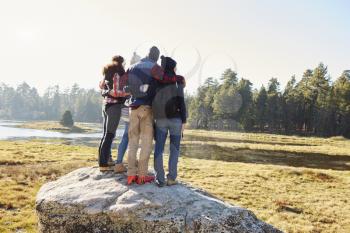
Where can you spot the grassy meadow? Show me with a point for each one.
(297, 184)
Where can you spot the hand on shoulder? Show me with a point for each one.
(102, 84)
(181, 80)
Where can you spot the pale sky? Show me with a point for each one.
(47, 42)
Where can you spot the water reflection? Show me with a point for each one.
(8, 131)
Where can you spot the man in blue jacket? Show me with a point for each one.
(142, 78)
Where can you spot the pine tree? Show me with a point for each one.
(261, 108)
(227, 101)
(273, 109)
(289, 107)
(67, 119)
(229, 78)
(321, 88)
(342, 100)
(245, 114)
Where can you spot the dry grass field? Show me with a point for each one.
(297, 184)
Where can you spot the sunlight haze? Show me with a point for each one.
(64, 42)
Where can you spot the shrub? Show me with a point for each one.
(67, 119)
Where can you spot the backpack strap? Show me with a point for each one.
(118, 86)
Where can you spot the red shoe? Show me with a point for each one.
(132, 179)
(145, 179)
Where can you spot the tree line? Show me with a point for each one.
(313, 106)
(25, 103)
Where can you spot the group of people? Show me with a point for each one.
(150, 101)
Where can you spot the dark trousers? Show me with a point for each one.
(111, 116)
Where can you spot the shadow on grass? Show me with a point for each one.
(253, 140)
(295, 159)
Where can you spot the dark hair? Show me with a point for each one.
(116, 67)
(117, 64)
(168, 64)
(119, 59)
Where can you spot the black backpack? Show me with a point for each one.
(166, 103)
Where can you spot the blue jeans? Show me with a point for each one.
(174, 127)
(123, 145)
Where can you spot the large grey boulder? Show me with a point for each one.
(86, 201)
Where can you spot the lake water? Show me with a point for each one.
(9, 131)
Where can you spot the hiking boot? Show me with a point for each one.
(145, 179)
(111, 162)
(119, 168)
(160, 184)
(131, 179)
(171, 182)
(106, 169)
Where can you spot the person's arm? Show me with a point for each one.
(118, 93)
(102, 85)
(105, 93)
(173, 79)
(181, 80)
(157, 72)
(182, 106)
(169, 79)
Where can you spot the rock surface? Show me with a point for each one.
(86, 201)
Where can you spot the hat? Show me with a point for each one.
(167, 63)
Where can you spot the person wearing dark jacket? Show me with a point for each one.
(112, 89)
(169, 111)
(142, 78)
